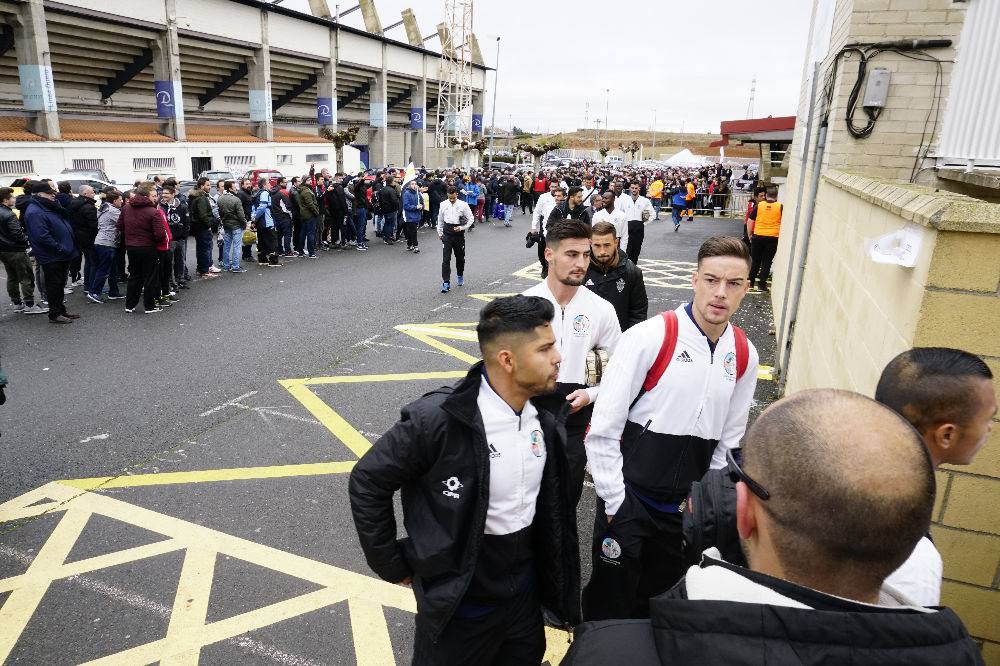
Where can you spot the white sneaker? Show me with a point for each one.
(78, 283)
(67, 290)
(35, 309)
(214, 269)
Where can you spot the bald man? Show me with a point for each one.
(834, 493)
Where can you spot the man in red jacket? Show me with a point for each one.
(144, 230)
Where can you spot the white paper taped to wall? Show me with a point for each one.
(901, 247)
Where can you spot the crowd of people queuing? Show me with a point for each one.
(60, 240)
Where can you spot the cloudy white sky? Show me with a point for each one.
(691, 62)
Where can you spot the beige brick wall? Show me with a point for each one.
(855, 315)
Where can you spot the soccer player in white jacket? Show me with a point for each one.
(674, 399)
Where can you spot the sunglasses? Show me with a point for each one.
(736, 473)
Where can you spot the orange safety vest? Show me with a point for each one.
(690, 192)
(768, 222)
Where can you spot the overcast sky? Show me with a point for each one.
(691, 61)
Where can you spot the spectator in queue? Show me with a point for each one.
(106, 248)
(202, 220)
(234, 223)
(14, 257)
(53, 244)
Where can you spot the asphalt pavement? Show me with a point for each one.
(174, 486)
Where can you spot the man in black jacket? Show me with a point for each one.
(14, 257)
(83, 216)
(571, 209)
(335, 201)
(509, 191)
(491, 532)
(612, 276)
(389, 207)
(281, 212)
(834, 492)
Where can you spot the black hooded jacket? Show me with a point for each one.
(439, 437)
(816, 629)
(622, 286)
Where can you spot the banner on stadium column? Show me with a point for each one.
(38, 90)
(477, 123)
(326, 111)
(169, 101)
(416, 118)
(260, 106)
(377, 113)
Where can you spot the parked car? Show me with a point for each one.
(93, 174)
(215, 176)
(162, 174)
(75, 181)
(271, 174)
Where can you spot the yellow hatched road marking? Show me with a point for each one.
(211, 475)
(187, 632)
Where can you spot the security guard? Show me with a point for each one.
(454, 218)
(491, 535)
(583, 322)
(674, 398)
(764, 228)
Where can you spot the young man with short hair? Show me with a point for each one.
(202, 222)
(614, 277)
(14, 257)
(637, 211)
(540, 218)
(674, 399)
(949, 397)
(454, 218)
(610, 213)
(491, 535)
(234, 223)
(584, 321)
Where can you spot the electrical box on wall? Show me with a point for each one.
(877, 88)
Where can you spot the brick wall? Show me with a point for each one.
(856, 315)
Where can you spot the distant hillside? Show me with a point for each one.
(666, 142)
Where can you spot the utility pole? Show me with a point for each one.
(654, 134)
(586, 114)
(597, 134)
(753, 89)
(607, 99)
(496, 77)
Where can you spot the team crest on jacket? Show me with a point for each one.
(620, 284)
(452, 484)
(537, 443)
(581, 324)
(610, 549)
(729, 364)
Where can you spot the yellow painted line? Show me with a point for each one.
(93, 564)
(19, 607)
(440, 332)
(765, 372)
(210, 475)
(362, 379)
(188, 633)
(333, 421)
(489, 297)
(444, 347)
(190, 604)
(372, 646)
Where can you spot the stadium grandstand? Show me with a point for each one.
(187, 86)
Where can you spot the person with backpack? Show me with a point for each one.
(261, 218)
(674, 400)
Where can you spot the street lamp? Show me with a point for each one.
(493, 123)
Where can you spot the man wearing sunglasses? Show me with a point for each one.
(679, 398)
(834, 493)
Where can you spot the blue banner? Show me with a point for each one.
(416, 118)
(38, 90)
(326, 111)
(169, 102)
(477, 123)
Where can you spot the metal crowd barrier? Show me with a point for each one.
(731, 205)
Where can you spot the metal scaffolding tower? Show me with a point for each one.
(454, 108)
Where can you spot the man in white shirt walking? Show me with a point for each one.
(540, 217)
(613, 215)
(637, 211)
(454, 217)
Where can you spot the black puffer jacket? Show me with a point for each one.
(756, 631)
(12, 236)
(83, 216)
(441, 436)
